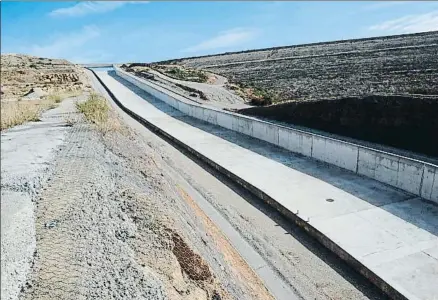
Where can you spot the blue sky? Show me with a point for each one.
(130, 31)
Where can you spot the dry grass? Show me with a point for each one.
(97, 111)
(57, 97)
(18, 112)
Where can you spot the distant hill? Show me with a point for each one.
(403, 64)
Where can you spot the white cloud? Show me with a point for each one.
(66, 45)
(409, 24)
(384, 4)
(233, 37)
(90, 7)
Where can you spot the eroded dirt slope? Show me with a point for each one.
(22, 74)
(111, 224)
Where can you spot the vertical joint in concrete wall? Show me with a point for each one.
(431, 190)
(357, 161)
(421, 182)
(311, 147)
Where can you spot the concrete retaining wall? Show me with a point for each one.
(416, 177)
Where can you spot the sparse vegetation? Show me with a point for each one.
(97, 111)
(18, 112)
(56, 98)
(193, 91)
(14, 113)
(181, 73)
(255, 95)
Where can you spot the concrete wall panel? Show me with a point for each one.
(210, 116)
(434, 194)
(191, 111)
(169, 100)
(197, 112)
(429, 187)
(295, 141)
(225, 120)
(266, 132)
(184, 108)
(386, 168)
(242, 125)
(409, 175)
(367, 162)
(335, 152)
(173, 103)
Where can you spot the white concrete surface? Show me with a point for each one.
(295, 141)
(404, 173)
(335, 152)
(389, 231)
(266, 132)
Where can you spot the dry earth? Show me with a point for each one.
(111, 225)
(22, 74)
(212, 91)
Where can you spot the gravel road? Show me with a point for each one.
(310, 270)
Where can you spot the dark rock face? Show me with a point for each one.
(409, 123)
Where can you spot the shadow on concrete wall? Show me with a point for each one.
(409, 123)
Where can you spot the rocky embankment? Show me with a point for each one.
(25, 74)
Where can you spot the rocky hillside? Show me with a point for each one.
(24, 75)
(403, 65)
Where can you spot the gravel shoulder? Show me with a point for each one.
(108, 222)
(27, 154)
